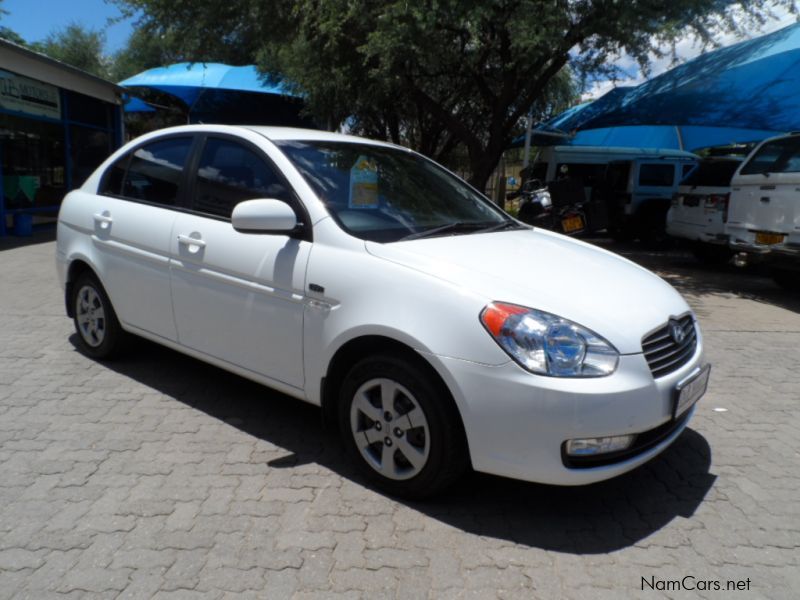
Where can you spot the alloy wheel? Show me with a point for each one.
(390, 429)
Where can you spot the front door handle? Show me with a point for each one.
(193, 245)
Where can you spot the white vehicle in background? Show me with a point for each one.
(625, 190)
(700, 208)
(764, 212)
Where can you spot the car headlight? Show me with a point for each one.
(547, 344)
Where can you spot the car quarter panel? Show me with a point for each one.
(127, 245)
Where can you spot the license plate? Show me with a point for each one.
(764, 237)
(572, 224)
(691, 200)
(690, 390)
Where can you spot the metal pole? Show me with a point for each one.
(680, 137)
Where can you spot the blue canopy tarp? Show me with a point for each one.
(753, 85)
(137, 105)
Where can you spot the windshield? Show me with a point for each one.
(712, 173)
(387, 194)
(778, 156)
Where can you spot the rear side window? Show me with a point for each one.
(229, 173)
(155, 170)
(111, 183)
(716, 173)
(778, 156)
(656, 175)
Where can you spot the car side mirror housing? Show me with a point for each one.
(263, 216)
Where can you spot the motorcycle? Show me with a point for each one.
(543, 206)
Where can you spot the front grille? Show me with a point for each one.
(663, 354)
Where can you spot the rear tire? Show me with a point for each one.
(653, 220)
(711, 254)
(400, 427)
(787, 279)
(99, 332)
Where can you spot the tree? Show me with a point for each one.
(440, 73)
(143, 50)
(7, 33)
(78, 46)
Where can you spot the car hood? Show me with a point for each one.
(600, 290)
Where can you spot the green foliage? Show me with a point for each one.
(144, 50)
(440, 75)
(78, 46)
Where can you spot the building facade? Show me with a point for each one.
(57, 124)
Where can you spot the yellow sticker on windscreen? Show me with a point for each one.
(364, 184)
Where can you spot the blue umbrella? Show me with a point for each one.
(188, 81)
(218, 93)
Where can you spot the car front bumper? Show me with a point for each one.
(516, 422)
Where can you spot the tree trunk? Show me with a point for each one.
(481, 168)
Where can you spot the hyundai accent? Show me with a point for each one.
(435, 332)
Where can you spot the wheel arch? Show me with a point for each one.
(349, 353)
(77, 267)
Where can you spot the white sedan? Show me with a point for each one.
(436, 332)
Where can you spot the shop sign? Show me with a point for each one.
(29, 96)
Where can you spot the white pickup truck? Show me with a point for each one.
(764, 211)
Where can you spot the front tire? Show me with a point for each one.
(99, 332)
(401, 427)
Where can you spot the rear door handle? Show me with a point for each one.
(103, 219)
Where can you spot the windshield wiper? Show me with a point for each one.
(454, 226)
(501, 226)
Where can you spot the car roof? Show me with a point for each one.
(275, 133)
(272, 133)
(714, 159)
(633, 151)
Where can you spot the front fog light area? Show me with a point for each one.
(599, 445)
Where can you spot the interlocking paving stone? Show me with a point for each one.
(159, 476)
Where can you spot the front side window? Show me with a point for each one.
(651, 175)
(155, 171)
(229, 173)
(777, 156)
(386, 194)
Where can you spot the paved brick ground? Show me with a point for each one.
(158, 476)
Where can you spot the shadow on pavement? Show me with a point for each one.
(40, 236)
(594, 519)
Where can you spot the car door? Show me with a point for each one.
(239, 296)
(133, 215)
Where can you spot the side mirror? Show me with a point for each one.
(263, 216)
